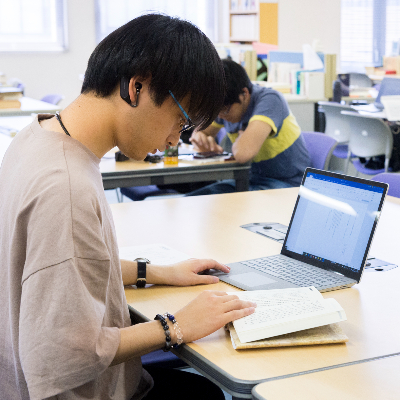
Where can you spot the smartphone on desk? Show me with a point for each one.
(209, 154)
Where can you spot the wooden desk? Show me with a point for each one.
(378, 379)
(29, 106)
(140, 173)
(209, 226)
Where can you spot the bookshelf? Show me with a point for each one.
(244, 19)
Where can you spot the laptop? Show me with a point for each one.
(327, 241)
(389, 87)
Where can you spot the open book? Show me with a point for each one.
(283, 311)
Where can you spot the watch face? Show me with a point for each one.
(142, 260)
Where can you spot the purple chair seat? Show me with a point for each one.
(392, 179)
(52, 98)
(360, 167)
(341, 151)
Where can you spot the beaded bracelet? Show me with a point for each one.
(177, 329)
(167, 332)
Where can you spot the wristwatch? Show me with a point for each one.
(141, 271)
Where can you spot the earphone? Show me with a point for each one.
(124, 91)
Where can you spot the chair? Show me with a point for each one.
(369, 137)
(159, 358)
(52, 98)
(336, 126)
(137, 193)
(360, 80)
(392, 179)
(320, 148)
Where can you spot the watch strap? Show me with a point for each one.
(141, 274)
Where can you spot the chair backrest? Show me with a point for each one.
(52, 98)
(320, 148)
(369, 136)
(336, 126)
(360, 80)
(393, 179)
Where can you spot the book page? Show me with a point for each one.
(280, 306)
(158, 254)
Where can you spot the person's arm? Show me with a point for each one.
(185, 273)
(249, 141)
(208, 312)
(205, 140)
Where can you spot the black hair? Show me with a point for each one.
(236, 80)
(173, 53)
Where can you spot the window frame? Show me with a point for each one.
(58, 46)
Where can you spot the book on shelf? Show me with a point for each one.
(284, 311)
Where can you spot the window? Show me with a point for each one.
(32, 25)
(356, 36)
(392, 27)
(111, 14)
(370, 29)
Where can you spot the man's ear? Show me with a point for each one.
(130, 90)
(134, 90)
(245, 92)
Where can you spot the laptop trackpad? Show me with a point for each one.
(252, 279)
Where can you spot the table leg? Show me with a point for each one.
(242, 180)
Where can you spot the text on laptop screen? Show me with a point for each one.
(333, 220)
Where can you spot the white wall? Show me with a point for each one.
(302, 21)
(57, 72)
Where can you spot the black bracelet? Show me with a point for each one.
(164, 324)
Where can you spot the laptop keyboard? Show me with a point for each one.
(295, 272)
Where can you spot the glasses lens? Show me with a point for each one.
(188, 125)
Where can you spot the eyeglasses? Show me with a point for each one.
(188, 124)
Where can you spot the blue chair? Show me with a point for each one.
(52, 98)
(392, 179)
(320, 148)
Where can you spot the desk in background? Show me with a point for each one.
(141, 173)
(29, 106)
(209, 227)
(305, 111)
(377, 379)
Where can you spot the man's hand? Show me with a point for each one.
(185, 273)
(209, 311)
(202, 142)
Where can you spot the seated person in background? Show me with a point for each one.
(65, 330)
(259, 123)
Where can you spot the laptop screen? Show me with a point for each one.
(389, 87)
(333, 221)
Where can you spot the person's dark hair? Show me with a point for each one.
(173, 53)
(236, 80)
